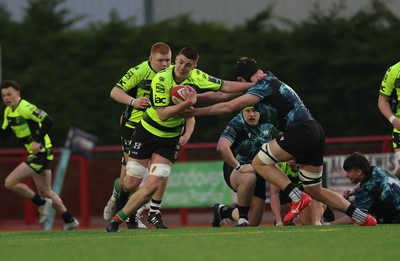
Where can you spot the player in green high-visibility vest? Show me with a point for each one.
(388, 104)
(31, 126)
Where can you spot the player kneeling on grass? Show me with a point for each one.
(31, 126)
(303, 140)
(237, 145)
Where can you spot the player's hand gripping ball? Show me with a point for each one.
(178, 94)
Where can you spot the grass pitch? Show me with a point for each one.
(206, 244)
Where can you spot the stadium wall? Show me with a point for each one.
(89, 181)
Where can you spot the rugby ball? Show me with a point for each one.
(178, 93)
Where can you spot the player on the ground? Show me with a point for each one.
(377, 192)
(303, 139)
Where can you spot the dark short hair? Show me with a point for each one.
(10, 83)
(190, 53)
(246, 68)
(357, 160)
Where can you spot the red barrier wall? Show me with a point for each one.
(88, 183)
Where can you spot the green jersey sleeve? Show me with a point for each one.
(5, 125)
(26, 122)
(137, 83)
(31, 112)
(202, 81)
(134, 76)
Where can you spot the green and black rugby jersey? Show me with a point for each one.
(24, 120)
(391, 81)
(160, 97)
(390, 87)
(137, 83)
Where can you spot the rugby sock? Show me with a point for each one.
(122, 199)
(350, 210)
(119, 217)
(116, 189)
(293, 192)
(243, 212)
(67, 217)
(356, 214)
(155, 206)
(226, 212)
(38, 200)
(140, 210)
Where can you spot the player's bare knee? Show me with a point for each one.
(248, 179)
(10, 183)
(397, 154)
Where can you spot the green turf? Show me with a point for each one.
(324, 243)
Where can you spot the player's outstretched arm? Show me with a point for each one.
(211, 97)
(236, 104)
(230, 86)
